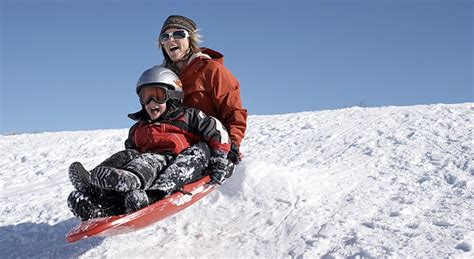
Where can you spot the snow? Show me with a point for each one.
(368, 182)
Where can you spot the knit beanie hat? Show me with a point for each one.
(180, 22)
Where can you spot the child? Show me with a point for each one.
(164, 152)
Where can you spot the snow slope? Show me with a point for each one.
(391, 181)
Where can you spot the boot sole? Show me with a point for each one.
(79, 177)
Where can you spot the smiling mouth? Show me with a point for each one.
(174, 48)
(155, 110)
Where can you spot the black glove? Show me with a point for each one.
(221, 169)
(234, 154)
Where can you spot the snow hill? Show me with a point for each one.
(368, 182)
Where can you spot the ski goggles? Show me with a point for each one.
(157, 94)
(177, 35)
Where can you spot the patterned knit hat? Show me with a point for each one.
(180, 22)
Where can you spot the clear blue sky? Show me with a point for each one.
(73, 65)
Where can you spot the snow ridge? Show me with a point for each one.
(369, 182)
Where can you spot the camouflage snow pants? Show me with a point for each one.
(129, 180)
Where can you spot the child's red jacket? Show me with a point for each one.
(177, 131)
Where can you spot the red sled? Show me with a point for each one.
(115, 225)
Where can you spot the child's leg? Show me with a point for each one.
(113, 179)
(188, 166)
(136, 200)
(105, 177)
(144, 169)
(146, 166)
(138, 173)
(120, 158)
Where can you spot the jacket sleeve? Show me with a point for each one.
(210, 129)
(129, 142)
(227, 100)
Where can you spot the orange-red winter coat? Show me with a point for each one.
(211, 88)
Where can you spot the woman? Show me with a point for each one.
(207, 84)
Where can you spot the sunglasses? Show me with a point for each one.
(177, 35)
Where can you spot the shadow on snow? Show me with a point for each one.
(28, 240)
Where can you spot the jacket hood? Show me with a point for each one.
(213, 54)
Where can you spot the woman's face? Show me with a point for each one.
(176, 48)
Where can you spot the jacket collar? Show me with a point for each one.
(197, 55)
(143, 116)
(139, 116)
(198, 60)
(213, 54)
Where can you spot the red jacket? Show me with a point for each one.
(210, 87)
(176, 132)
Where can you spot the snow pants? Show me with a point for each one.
(153, 175)
(157, 172)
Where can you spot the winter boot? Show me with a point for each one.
(114, 179)
(86, 207)
(136, 200)
(81, 180)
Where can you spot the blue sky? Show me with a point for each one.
(73, 65)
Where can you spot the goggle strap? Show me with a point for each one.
(175, 94)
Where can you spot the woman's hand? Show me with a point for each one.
(221, 169)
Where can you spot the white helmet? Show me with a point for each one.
(161, 75)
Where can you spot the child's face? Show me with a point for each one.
(155, 110)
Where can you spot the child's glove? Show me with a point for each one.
(221, 168)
